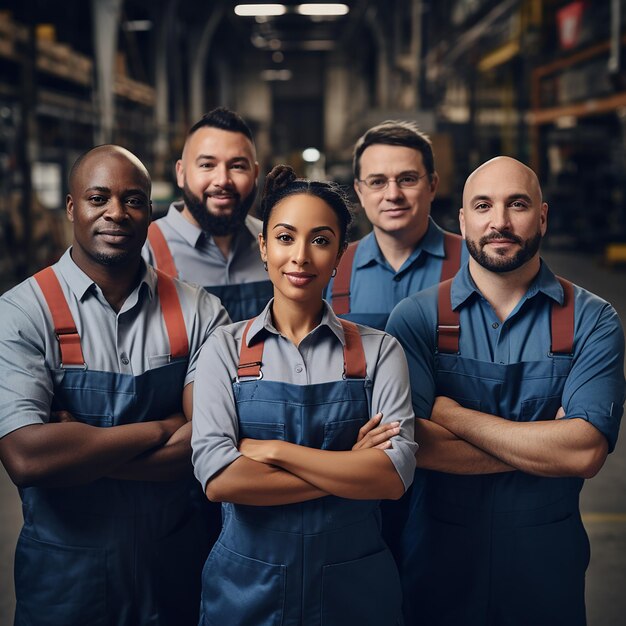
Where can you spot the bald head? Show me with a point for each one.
(109, 206)
(502, 169)
(85, 160)
(503, 217)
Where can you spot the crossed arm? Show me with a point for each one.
(66, 452)
(274, 472)
(558, 447)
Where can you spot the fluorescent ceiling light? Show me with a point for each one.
(255, 10)
(322, 9)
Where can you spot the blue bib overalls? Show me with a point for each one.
(320, 562)
(113, 552)
(506, 549)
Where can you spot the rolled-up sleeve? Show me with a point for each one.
(391, 395)
(594, 390)
(214, 425)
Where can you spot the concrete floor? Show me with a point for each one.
(603, 498)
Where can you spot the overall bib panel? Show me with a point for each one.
(505, 549)
(114, 552)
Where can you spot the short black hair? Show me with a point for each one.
(224, 119)
(395, 133)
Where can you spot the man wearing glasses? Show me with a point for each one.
(396, 181)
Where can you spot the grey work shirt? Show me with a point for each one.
(199, 260)
(318, 359)
(131, 341)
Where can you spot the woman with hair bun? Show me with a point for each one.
(282, 436)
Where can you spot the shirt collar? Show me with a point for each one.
(431, 243)
(80, 284)
(463, 286)
(195, 236)
(263, 323)
(546, 282)
(188, 231)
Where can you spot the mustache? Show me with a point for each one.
(502, 234)
(220, 193)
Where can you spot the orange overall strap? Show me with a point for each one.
(250, 357)
(340, 295)
(448, 327)
(452, 245)
(562, 321)
(353, 353)
(162, 256)
(172, 315)
(64, 326)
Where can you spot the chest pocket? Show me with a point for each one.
(262, 430)
(326, 416)
(539, 409)
(342, 433)
(348, 409)
(261, 410)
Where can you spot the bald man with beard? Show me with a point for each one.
(97, 364)
(517, 379)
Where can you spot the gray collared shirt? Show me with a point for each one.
(199, 260)
(130, 341)
(318, 359)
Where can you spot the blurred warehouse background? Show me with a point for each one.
(541, 80)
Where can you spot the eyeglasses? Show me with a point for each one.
(404, 181)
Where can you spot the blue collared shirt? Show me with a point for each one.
(594, 389)
(375, 287)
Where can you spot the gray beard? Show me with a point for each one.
(218, 225)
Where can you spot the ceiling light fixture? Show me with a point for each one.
(311, 155)
(322, 9)
(257, 10)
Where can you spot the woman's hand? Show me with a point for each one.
(371, 435)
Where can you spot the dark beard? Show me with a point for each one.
(218, 225)
(503, 264)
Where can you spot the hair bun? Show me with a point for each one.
(281, 176)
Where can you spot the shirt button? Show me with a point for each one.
(298, 368)
(495, 325)
(397, 278)
(125, 360)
